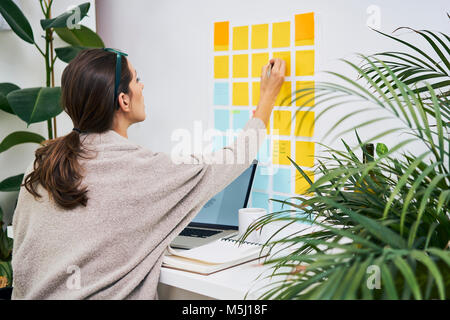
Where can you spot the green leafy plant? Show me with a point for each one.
(38, 104)
(388, 217)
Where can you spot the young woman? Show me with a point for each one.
(96, 211)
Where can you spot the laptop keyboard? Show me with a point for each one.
(198, 233)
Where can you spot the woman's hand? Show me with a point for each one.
(270, 88)
(271, 84)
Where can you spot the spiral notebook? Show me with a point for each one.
(215, 256)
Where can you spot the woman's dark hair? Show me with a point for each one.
(87, 95)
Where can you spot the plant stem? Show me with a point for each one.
(48, 67)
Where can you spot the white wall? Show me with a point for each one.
(170, 44)
(23, 65)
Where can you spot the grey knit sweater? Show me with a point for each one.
(139, 201)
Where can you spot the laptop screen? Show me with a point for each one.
(222, 209)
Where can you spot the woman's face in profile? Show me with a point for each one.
(137, 98)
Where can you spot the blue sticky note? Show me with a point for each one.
(221, 120)
(260, 200)
(221, 94)
(279, 206)
(261, 181)
(282, 180)
(240, 118)
(264, 152)
(219, 142)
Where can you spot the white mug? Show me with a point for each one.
(246, 217)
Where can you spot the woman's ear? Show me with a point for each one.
(124, 102)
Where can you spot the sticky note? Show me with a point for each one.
(218, 142)
(258, 61)
(304, 63)
(304, 29)
(260, 36)
(285, 96)
(286, 56)
(240, 94)
(240, 38)
(281, 34)
(282, 122)
(220, 67)
(304, 153)
(305, 98)
(256, 88)
(301, 184)
(240, 118)
(278, 206)
(264, 152)
(260, 200)
(261, 181)
(221, 36)
(282, 180)
(281, 150)
(240, 66)
(304, 124)
(221, 119)
(221, 93)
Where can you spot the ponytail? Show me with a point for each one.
(57, 169)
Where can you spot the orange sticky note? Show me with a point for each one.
(258, 61)
(304, 63)
(282, 122)
(301, 184)
(221, 36)
(304, 29)
(304, 153)
(281, 34)
(260, 36)
(240, 94)
(240, 66)
(286, 56)
(220, 67)
(240, 38)
(285, 95)
(304, 123)
(305, 98)
(281, 150)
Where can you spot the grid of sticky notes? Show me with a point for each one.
(240, 52)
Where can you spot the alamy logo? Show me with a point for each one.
(74, 281)
(73, 21)
(374, 278)
(374, 19)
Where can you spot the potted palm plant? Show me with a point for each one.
(381, 228)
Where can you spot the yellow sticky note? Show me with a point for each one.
(256, 87)
(220, 67)
(258, 61)
(286, 56)
(304, 63)
(282, 122)
(240, 38)
(281, 150)
(301, 184)
(260, 36)
(240, 94)
(285, 96)
(281, 34)
(304, 153)
(221, 36)
(240, 66)
(304, 29)
(305, 98)
(304, 123)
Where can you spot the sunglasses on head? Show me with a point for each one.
(119, 55)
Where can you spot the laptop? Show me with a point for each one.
(219, 216)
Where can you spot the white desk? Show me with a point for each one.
(234, 283)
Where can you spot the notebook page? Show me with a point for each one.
(219, 251)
